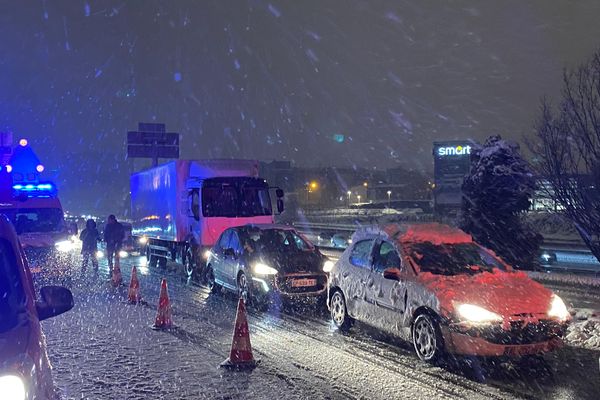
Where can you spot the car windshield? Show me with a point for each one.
(453, 259)
(28, 220)
(274, 240)
(12, 296)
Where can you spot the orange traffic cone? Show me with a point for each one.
(240, 356)
(163, 317)
(117, 278)
(134, 296)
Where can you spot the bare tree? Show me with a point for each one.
(567, 150)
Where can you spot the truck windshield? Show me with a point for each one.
(12, 295)
(28, 220)
(235, 197)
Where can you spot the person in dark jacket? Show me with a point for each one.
(89, 244)
(114, 233)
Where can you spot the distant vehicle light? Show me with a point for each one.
(64, 246)
(99, 254)
(12, 387)
(9, 168)
(123, 254)
(39, 168)
(206, 254)
(143, 240)
(328, 266)
(23, 142)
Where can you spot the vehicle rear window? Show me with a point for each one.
(12, 295)
(453, 259)
(361, 254)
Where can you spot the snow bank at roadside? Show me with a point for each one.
(569, 279)
(584, 331)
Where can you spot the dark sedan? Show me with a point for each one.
(267, 262)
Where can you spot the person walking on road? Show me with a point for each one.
(89, 245)
(114, 233)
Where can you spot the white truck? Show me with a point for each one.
(179, 209)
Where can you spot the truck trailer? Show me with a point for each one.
(179, 209)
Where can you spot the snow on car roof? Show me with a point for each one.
(411, 233)
(436, 234)
(269, 226)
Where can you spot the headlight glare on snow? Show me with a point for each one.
(476, 314)
(12, 387)
(64, 245)
(328, 266)
(558, 309)
(263, 269)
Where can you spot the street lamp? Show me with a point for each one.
(389, 193)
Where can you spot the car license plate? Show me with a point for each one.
(303, 282)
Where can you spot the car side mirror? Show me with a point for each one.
(392, 273)
(55, 300)
(280, 206)
(229, 252)
(279, 193)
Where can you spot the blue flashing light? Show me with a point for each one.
(42, 187)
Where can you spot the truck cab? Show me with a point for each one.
(181, 208)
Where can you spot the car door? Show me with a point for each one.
(219, 263)
(355, 277)
(387, 295)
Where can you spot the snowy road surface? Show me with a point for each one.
(105, 349)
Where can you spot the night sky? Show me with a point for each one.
(276, 79)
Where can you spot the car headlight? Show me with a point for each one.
(328, 266)
(143, 240)
(473, 313)
(123, 254)
(263, 269)
(64, 245)
(558, 309)
(206, 255)
(12, 387)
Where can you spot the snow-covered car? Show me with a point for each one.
(24, 365)
(341, 240)
(263, 261)
(433, 285)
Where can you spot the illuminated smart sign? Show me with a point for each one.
(453, 151)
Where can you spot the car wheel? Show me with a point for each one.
(427, 338)
(189, 263)
(339, 312)
(243, 288)
(210, 281)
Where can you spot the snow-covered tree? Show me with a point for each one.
(496, 194)
(567, 150)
